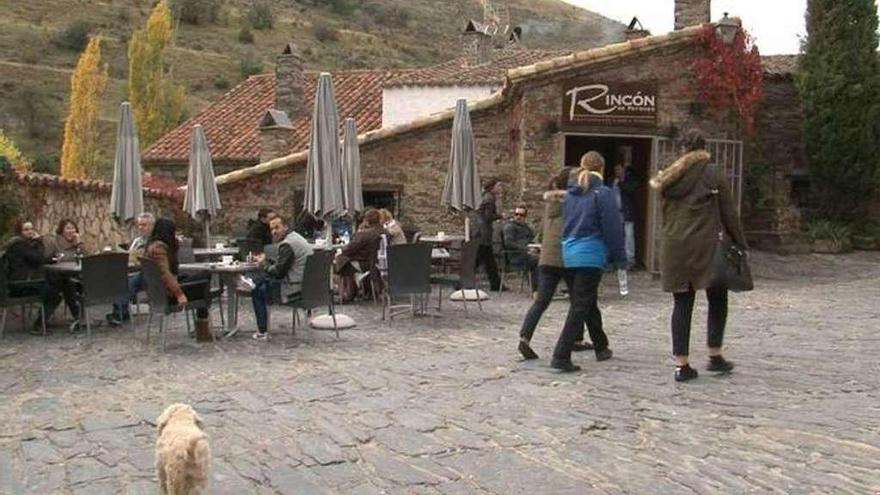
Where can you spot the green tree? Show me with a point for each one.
(79, 153)
(839, 82)
(156, 101)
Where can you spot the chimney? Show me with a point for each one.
(635, 30)
(477, 45)
(692, 13)
(289, 82)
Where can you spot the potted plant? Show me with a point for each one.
(829, 237)
(867, 237)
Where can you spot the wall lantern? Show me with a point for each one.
(726, 29)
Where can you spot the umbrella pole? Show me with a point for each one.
(467, 228)
(207, 231)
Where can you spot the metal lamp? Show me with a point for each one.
(726, 29)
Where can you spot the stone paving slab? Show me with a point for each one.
(446, 406)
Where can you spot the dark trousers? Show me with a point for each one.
(62, 286)
(583, 295)
(135, 285)
(486, 257)
(548, 280)
(681, 319)
(260, 300)
(197, 288)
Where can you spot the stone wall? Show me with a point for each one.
(514, 143)
(47, 199)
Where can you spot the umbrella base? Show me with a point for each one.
(468, 295)
(325, 322)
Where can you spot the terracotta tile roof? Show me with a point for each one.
(455, 72)
(232, 122)
(779, 66)
(56, 181)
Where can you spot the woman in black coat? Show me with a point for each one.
(25, 258)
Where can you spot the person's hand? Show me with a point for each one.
(76, 238)
(181, 299)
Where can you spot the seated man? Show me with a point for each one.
(517, 236)
(287, 271)
(360, 255)
(144, 223)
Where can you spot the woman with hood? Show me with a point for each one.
(550, 270)
(695, 197)
(592, 237)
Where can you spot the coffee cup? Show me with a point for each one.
(227, 260)
(219, 245)
(441, 235)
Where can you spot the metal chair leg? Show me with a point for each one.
(163, 331)
(43, 318)
(85, 315)
(149, 323)
(3, 322)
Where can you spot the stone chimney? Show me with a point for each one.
(477, 44)
(289, 82)
(692, 13)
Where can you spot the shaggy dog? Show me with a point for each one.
(182, 452)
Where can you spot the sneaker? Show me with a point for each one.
(719, 364)
(623, 283)
(581, 347)
(565, 366)
(685, 373)
(74, 327)
(260, 336)
(245, 284)
(604, 354)
(526, 351)
(114, 321)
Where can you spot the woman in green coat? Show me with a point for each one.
(695, 198)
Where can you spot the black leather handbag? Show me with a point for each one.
(730, 267)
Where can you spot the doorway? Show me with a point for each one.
(628, 150)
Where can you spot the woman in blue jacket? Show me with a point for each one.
(592, 236)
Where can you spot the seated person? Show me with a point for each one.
(65, 245)
(517, 236)
(25, 259)
(287, 270)
(308, 225)
(392, 228)
(162, 248)
(144, 224)
(359, 255)
(258, 230)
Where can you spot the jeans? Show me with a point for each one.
(629, 232)
(486, 257)
(681, 319)
(583, 298)
(135, 285)
(260, 300)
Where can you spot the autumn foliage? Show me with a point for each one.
(730, 76)
(157, 102)
(79, 153)
(9, 150)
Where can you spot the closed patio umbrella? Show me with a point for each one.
(323, 190)
(351, 170)
(202, 199)
(126, 198)
(462, 188)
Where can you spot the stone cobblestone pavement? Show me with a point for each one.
(445, 405)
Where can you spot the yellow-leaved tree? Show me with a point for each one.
(79, 152)
(157, 102)
(10, 151)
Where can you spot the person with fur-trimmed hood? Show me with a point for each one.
(550, 270)
(689, 189)
(592, 237)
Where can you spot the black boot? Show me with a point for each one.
(564, 365)
(526, 350)
(719, 364)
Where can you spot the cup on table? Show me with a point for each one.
(226, 260)
(219, 245)
(441, 235)
(320, 243)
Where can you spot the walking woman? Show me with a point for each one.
(592, 236)
(162, 248)
(695, 197)
(550, 270)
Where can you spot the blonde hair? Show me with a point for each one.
(593, 161)
(385, 215)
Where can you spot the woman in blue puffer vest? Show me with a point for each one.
(592, 237)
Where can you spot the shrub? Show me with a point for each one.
(250, 65)
(74, 36)
(324, 32)
(260, 14)
(197, 12)
(221, 83)
(825, 229)
(245, 35)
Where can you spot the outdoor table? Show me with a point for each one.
(75, 267)
(534, 247)
(327, 246)
(229, 274)
(215, 252)
(448, 238)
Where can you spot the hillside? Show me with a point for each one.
(214, 55)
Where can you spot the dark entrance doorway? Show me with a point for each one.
(634, 151)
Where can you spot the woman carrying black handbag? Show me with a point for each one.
(697, 206)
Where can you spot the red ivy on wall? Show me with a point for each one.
(730, 76)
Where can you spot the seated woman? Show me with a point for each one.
(65, 245)
(162, 248)
(392, 228)
(359, 255)
(25, 259)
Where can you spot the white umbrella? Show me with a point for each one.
(351, 169)
(202, 199)
(462, 188)
(126, 198)
(323, 191)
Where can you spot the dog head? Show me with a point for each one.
(178, 412)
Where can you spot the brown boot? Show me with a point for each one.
(203, 330)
